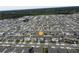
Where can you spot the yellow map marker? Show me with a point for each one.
(40, 33)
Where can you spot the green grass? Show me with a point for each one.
(17, 41)
(45, 50)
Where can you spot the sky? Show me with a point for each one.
(3, 8)
(33, 4)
